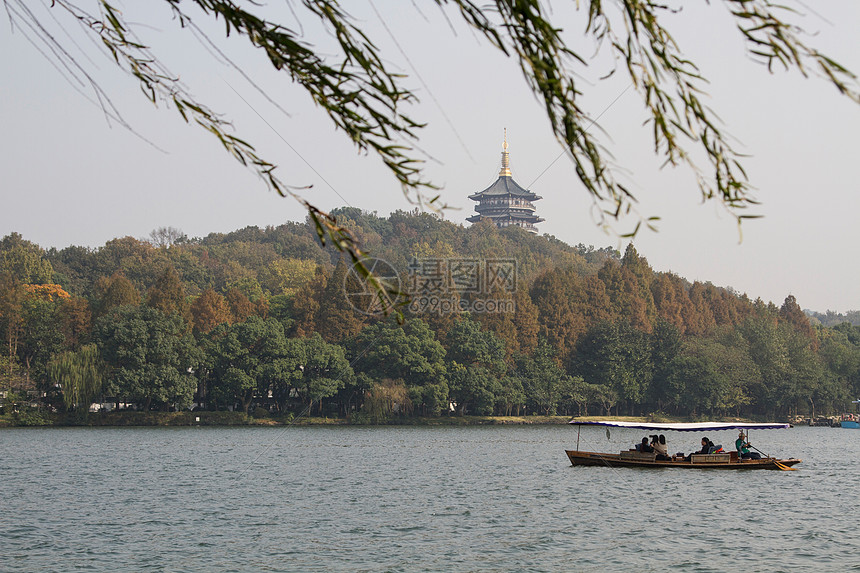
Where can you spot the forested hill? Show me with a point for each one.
(831, 318)
(259, 319)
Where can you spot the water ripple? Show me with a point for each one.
(412, 499)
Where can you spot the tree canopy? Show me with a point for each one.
(592, 332)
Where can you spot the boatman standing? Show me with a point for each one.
(742, 446)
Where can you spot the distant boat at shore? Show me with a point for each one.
(851, 420)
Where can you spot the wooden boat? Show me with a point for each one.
(717, 460)
(850, 420)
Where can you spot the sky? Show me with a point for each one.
(72, 176)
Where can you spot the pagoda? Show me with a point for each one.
(505, 202)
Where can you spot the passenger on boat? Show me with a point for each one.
(742, 446)
(707, 448)
(659, 445)
(644, 447)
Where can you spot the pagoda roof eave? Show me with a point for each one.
(505, 185)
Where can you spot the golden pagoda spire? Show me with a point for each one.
(506, 163)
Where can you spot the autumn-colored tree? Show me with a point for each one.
(337, 319)
(556, 295)
(642, 276)
(306, 304)
(75, 320)
(699, 318)
(791, 313)
(669, 298)
(209, 310)
(718, 301)
(499, 319)
(287, 276)
(46, 292)
(594, 302)
(113, 292)
(240, 306)
(637, 310)
(168, 294)
(625, 292)
(526, 322)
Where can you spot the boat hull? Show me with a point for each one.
(579, 458)
(850, 424)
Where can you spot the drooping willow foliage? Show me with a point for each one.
(366, 99)
(80, 376)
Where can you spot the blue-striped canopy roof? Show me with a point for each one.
(686, 427)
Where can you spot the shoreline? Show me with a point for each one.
(231, 419)
(228, 419)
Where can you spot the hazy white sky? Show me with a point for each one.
(70, 177)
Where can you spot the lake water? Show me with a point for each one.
(497, 498)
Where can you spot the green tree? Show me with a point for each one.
(251, 359)
(544, 381)
(665, 346)
(841, 358)
(136, 260)
(24, 260)
(775, 391)
(473, 389)
(150, 356)
(12, 296)
(617, 356)
(807, 371)
(477, 363)
(469, 345)
(385, 399)
(716, 375)
(325, 371)
(511, 397)
(40, 339)
(407, 352)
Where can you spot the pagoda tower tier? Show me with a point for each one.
(505, 202)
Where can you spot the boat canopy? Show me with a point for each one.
(685, 427)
